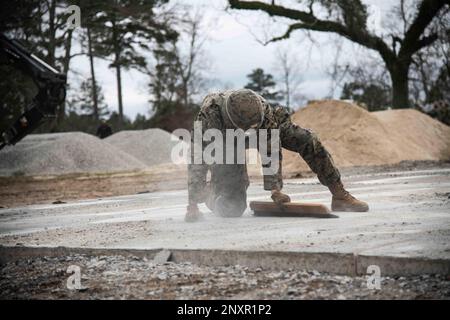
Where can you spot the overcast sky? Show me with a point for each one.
(234, 51)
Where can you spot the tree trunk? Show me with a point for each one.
(94, 82)
(400, 90)
(51, 34)
(185, 94)
(66, 65)
(118, 73)
(50, 59)
(119, 94)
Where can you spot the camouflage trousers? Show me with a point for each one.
(229, 182)
(227, 191)
(310, 148)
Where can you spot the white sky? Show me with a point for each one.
(234, 53)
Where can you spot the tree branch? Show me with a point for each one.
(428, 9)
(310, 22)
(273, 10)
(297, 26)
(425, 42)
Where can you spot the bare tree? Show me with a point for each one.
(349, 19)
(431, 66)
(427, 76)
(288, 66)
(178, 74)
(336, 73)
(193, 64)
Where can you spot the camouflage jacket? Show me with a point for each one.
(211, 116)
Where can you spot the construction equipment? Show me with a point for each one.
(51, 90)
(290, 209)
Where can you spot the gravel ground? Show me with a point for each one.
(63, 153)
(119, 277)
(151, 146)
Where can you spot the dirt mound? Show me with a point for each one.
(63, 153)
(151, 146)
(356, 137)
(416, 135)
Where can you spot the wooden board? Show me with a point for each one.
(291, 209)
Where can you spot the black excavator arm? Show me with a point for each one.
(51, 90)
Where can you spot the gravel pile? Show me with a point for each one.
(63, 153)
(151, 146)
(118, 277)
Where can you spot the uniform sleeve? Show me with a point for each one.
(272, 180)
(209, 117)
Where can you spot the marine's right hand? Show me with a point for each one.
(279, 197)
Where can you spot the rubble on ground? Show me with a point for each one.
(119, 277)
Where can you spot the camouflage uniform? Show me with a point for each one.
(229, 182)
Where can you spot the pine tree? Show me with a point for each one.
(371, 95)
(165, 84)
(90, 9)
(264, 84)
(124, 31)
(83, 104)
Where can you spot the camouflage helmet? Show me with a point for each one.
(243, 108)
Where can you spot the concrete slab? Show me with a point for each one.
(409, 217)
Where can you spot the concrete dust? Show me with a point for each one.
(93, 235)
(408, 217)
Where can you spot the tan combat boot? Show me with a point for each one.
(343, 201)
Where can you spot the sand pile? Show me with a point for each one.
(416, 135)
(356, 137)
(151, 146)
(63, 153)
